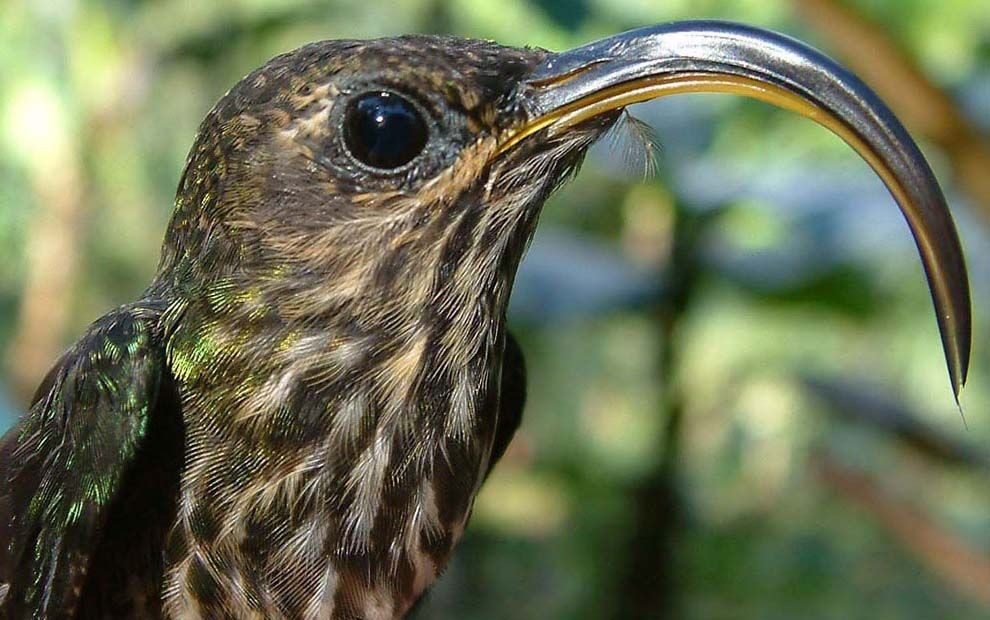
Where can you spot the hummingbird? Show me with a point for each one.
(293, 420)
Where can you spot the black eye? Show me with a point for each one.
(384, 130)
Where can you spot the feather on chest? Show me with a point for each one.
(326, 469)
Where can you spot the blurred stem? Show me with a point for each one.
(925, 107)
(850, 399)
(437, 18)
(649, 587)
(52, 252)
(953, 559)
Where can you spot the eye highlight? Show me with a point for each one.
(384, 130)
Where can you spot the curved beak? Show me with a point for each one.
(719, 57)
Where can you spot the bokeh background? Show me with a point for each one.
(738, 404)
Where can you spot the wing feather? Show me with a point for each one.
(61, 466)
(512, 400)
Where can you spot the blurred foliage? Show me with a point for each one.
(805, 270)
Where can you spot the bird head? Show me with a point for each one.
(397, 181)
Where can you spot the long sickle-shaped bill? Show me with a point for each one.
(719, 57)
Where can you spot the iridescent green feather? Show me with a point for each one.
(72, 450)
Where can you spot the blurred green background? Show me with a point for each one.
(738, 403)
